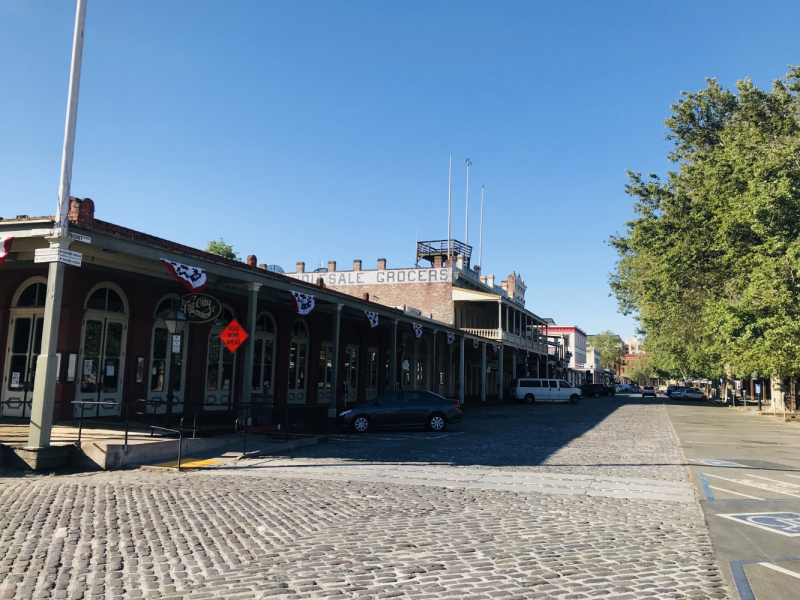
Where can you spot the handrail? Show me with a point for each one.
(180, 440)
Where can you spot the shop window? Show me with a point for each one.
(33, 296)
(106, 299)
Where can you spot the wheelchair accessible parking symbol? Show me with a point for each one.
(784, 523)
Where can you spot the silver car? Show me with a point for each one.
(690, 394)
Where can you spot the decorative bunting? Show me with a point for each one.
(5, 247)
(450, 338)
(475, 343)
(192, 278)
(303, 303)
(417, 330)
(372, 319)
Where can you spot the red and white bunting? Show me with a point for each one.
(5, 247)
(193, 278)
(303, 303)
(475, 344)
(451, 337)
(372, 319)
(417, 330)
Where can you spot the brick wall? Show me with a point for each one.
(430, 298)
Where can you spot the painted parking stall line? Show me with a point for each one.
(740, 577)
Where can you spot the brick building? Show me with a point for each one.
(502, 339)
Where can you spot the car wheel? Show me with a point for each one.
(530, 399)
(436, 422)
(361, 424)
(595, 395)
(574, 399)
(703, 398)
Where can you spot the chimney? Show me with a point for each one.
(252, 261)
(460, 261)
(381, 264)
(504, 285)
(301, 267)
(490, 281)
(356, 265)
(477, 269)
(365, 296)
(437, 262)
(320, 282)
(331, 266)
(262, 266)
(483, 279)
(512, 283)
(81, 211)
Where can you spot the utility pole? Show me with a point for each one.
(466, 227)
(46, 365)
(480, 236)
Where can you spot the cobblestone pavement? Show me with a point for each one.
(250, 534)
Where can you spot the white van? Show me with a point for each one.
(544, 390)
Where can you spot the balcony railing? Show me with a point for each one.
(511, 338)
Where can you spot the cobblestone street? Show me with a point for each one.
(501, 506)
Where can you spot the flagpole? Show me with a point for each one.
(44, 389)
(480, 236)
(449, 199)
(466, 226)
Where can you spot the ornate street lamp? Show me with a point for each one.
(176, 323)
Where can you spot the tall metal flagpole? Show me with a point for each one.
(480, 236)
(46, 365)
(449, 198)
(466, 226)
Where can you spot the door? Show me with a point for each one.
(220, 372)
(324, 372)
(388, 409)
(371, 380)
(24, 347)
(565, 390)
(101, 362)
(262, 383)
(415, 408)
(351, 374)
(166, 364)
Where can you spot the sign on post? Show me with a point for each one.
(233, 336)
(176, 343)
(62, 255)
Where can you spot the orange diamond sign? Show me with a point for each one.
(233, 335)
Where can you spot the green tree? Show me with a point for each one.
(220, 248)
(710, 263)
(610, 346)
(639, 369)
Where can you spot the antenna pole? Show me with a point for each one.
(466, 226)
(480, 238)
(449, 198)
(416, 250)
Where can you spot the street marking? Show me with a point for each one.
(780, 569)
(761, 486)
(795, 476)
(740, 577)
(711, 462)
(188, 463)
(732, 492)
(783, 523)
(775, 480)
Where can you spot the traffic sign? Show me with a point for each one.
(233, 335)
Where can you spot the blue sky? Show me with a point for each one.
(316, 131)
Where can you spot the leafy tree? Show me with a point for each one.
(639, 369)
(610, 346)
(220, 248)
(711, 263)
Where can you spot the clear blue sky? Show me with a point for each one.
(316, 131)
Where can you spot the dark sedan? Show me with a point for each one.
(595, 390)
(402, 408)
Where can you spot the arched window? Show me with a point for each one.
(298, 353)
(32, 296)
(265, 324)
(106, 299)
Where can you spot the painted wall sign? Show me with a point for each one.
(387, 277)
(200, 308)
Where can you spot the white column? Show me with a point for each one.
(335, 361)
(500, 371)
(483, 372)
(250, 342)
(513, 363)
(461, 373)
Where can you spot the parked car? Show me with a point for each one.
(623, 387)
(690, 394)
(545, 390)
(595, 390)
(402, 408)
(635, 389)
(649, 390)
(674, 390)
